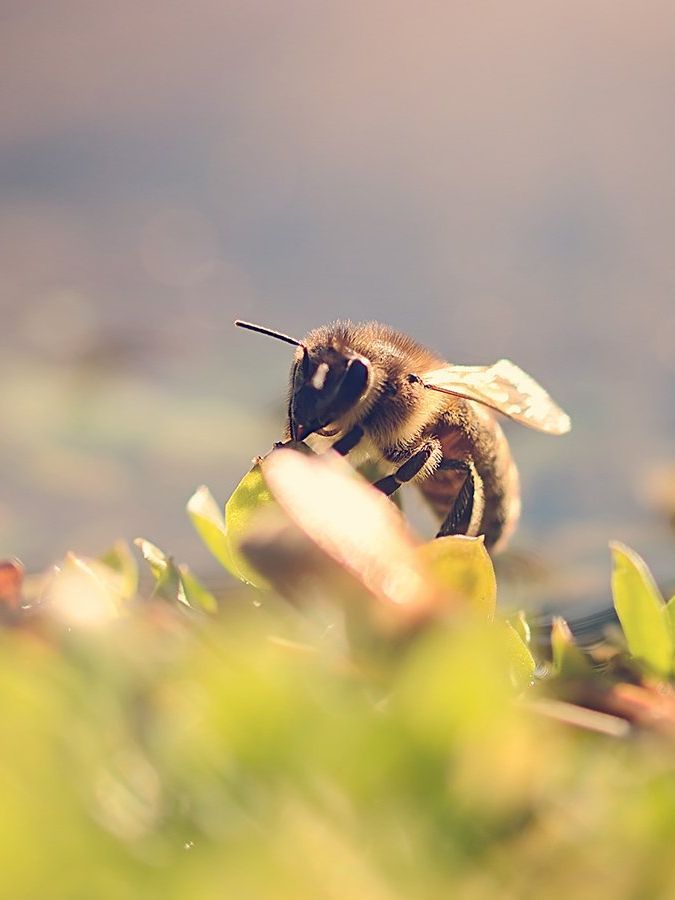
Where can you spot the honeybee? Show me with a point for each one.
(371, 390)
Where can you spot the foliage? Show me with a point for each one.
(363, 725)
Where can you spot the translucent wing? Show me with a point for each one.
(504, 387)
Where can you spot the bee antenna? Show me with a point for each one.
(270, 332)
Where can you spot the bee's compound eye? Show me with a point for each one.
(298, 376)
(356, 379)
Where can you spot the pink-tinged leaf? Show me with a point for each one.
(358, 528)
(11, 584)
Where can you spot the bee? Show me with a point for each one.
(371, 391)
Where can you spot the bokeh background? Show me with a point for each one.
(495, 178)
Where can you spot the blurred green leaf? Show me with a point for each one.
(249, 497)
(208, 760)
(522, 663)
(121, 560)
(670, 617)
(568, 660)
(168, 583)
(207, 518)
(222, 535)
(197, 595)
(462, 566)
(522, 626)
(154, 557)
(641, 610)
(176, 582)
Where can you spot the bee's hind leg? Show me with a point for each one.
(406, 472)
(458, 520)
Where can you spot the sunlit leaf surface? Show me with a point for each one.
(462, 567)
(568, 660)
(357, 527)
(176, 582)
(121, 560)
(168, 582)
(249, 497)
(521, 661)
(86, 592)
(223, 534)
(670, 617)
(641, 610)
(210, 524)
(522, 626)
(197, 596)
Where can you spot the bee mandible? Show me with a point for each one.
(368, 390)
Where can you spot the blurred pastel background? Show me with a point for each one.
(495, 178)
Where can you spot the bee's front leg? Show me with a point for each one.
(409, 469)
(347, 442)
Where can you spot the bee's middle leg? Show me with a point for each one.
(409, 469)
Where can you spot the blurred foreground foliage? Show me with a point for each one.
(359, 724)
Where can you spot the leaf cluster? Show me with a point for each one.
(357, 719)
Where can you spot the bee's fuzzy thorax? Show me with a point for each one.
(393, 409)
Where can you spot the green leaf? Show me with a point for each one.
(641, 610)
(249, 497)
(168, 583)
(222, 535)
(568, 660)
(521, 661)
(670, 617)
(122, 561)
(176, 583)
(522, 626)
(462, 566)
(154, 557)
(208, 520)
(197, 595)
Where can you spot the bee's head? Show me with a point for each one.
(326, 383)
